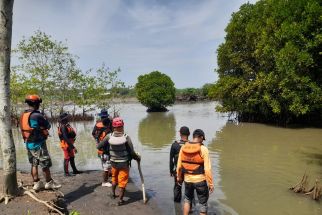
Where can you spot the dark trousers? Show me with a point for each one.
(177, 193)
(202, 192)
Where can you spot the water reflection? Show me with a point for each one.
(157, 130)
(86, 158)
(259, 162)
(253, 164)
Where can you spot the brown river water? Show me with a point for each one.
(253, 164)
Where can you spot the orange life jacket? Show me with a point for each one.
(30, 134)
(99, 126)
(71, 134)
(192, 162)
(100, 132)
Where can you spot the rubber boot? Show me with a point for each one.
(66, 164)
(72, 164)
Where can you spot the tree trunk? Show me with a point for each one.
(10, 187)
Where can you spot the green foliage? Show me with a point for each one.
(270, 63)
(46, 64)
(155, 91)
(47, 68)
(74, 212)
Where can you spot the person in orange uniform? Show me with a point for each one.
(67, 136)
(101, 129)
(121, 152)
(34, 129)
(194, 163)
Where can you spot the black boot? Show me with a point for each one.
(72, 164)
(66, 164)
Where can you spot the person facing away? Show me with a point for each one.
(98, 127)
(121, 152)
(104, 154)
(34, 129)
(194, 163)
(67, 136)
(100, 130)
(174, 154)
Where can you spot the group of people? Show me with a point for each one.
(115, 148)
(190, 163)
(189, 160)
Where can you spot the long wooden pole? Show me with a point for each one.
(142, 182)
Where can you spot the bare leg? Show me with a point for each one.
(47, 174)
(34, 173)
(121, 193)
(186, 208)
(113, 190)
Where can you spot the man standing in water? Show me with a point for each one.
(34, 129)
(174, 154)
(194, 163)
(121, 152)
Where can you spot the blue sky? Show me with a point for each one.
(178, 37)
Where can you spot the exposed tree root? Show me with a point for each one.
(6, 199)
(315, 191)
(301, 186)
(49, 205)
(24, 190)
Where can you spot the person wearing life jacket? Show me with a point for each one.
(174, 154)
(99, 127)
(67, 136)
(104, 154)
(194, 163)
(121, 152)
(34, 129)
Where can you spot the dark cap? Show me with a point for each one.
(63, 117)
(184, 130)
(106, 121)
(199, 133)
(103, 113)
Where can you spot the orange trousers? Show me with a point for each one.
(120, 177)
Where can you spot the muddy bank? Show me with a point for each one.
(84, 194)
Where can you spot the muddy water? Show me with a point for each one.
(253, 164)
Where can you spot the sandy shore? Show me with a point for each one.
(84, 194)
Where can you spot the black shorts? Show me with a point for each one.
(202, 193)
(40, 157)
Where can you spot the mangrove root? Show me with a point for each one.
(301, 186)
(316, 191)
(5, 198)
(32, 194)
(49, 205)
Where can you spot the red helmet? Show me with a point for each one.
(33, 98)
(117, 122)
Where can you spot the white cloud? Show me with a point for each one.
(176, 37)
